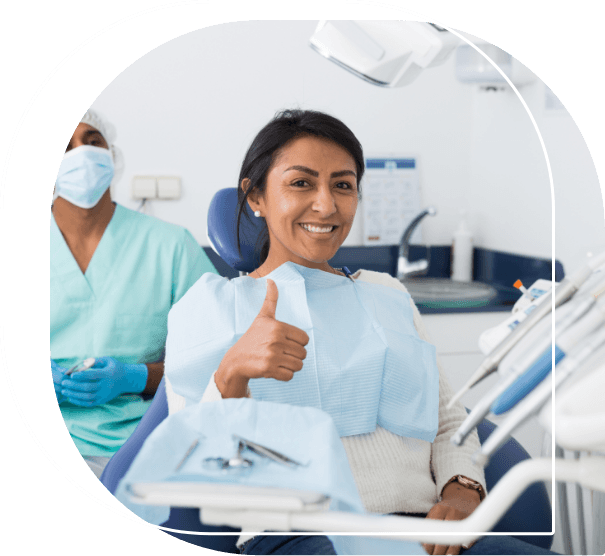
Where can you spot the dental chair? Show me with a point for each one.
(531, 512)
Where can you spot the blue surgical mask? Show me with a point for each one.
(84, 175)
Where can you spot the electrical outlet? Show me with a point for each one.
(144, 187)
(169, 187)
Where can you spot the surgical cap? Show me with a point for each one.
(94, 119)
(108, 131)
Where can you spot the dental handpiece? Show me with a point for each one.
(571, 335)
(536, 363)
(564, 291)
(536, 400)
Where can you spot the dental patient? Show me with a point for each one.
(300, 332)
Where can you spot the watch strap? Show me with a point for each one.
(467, 483)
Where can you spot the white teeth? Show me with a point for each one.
(317, 230)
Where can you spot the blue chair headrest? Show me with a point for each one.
(222, 223)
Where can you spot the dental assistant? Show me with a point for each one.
(114, 275)
(301, 176)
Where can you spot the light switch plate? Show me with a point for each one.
(169, 187)
(144, 187)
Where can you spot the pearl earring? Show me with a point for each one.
(257, 214)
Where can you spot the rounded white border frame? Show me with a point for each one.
(192, 2)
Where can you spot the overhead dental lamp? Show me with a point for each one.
(384, 53)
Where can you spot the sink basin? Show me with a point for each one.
(445, 293)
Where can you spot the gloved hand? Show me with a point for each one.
(58, 376)
(104, 381)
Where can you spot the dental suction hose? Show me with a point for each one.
(564, 291)
(537, 399)
(535, 364)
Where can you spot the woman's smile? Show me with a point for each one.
(319, 228)
(309, 202)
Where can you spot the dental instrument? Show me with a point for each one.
(519, 285)
(267, 452)
(81, 366)
(235, 463)
(579, 318)
(535, 401)
(539, 339)
(491, 337)
(564, 291)
(567, 342)
(287, 429)
(535, 347)
(188, 453)
(105, 381)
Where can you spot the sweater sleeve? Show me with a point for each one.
(447, 460)
(213, 394)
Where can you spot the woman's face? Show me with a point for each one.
(309, 202)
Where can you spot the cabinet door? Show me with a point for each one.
(459, 332)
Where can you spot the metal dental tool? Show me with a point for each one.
(81, 366)
(535, 401)
(565, 290)
(239, 462)
(188, 453)
(235, 463)
(266, 452)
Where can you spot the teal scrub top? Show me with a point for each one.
(118, 308)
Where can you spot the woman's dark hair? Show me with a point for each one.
(283, 128)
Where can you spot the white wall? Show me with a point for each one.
(192, 106)
(509, 194)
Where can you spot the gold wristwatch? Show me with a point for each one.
(467, 483)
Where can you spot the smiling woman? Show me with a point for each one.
(309, 211)
(297, 331)
(301, 175)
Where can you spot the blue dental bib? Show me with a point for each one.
(365, 364)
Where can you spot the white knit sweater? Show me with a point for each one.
(394, 473)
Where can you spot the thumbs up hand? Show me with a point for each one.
(268, 349)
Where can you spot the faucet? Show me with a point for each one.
(405, 268)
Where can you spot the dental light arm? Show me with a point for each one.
(384, 53)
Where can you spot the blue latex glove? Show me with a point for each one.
(104, 381)
(58, 376)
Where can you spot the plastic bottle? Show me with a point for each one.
(462, 254)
